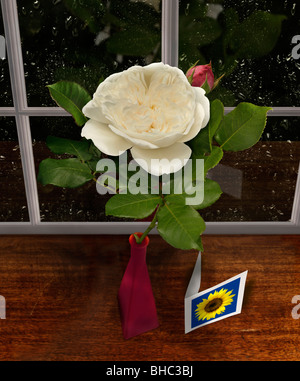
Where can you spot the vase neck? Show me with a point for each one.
(138, 251)
(138, 254)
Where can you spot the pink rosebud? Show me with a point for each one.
(198, 75)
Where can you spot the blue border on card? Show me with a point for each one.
(233, 285)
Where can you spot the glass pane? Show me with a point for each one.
(84, 41)
(62, 204)
(249, 41)
(5, 93)
(259, 183)
(13, 205)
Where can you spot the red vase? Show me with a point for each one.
(136, 300)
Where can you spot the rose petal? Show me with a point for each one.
(203, 100)
(179, 153)
(202, 114)
(149, 70)
(93, 110)
(104, 139)
(112, 78)
(196, 127)
(167, 140)
(137, 142)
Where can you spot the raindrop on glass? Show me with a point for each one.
(68, 22)
(75, 32)
(187, 9)
(54, 31)
(36, 4)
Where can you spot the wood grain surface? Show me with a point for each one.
(61, 299)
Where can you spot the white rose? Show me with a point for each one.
(152, 111)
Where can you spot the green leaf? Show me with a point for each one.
(191, 76)
(223, 94)
(66, 173)
(125, 14)
(132, 206)
(242, 127)
(72, 97)
(94, 151)
(200, 32)
(187, 198)
(178, 199)
(71, 147)
(191, 10)
(189, 53)
(89, 11)
(181, 226)
(212, 193)
(95, 157)
(231, 21)
(133, 41)
(216, 117)
(201, 144)
(213, 159)
(89, 75)
(93, 165)
(257, 35)
(199, 244)
(206, 86)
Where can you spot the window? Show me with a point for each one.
(87, 41)
(250, 42)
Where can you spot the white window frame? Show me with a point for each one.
(21, 112)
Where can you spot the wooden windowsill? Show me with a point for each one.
(61, 299)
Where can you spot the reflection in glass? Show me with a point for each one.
(259, 183)
(62, 204)
(84, 41)
(5, 93)
(13, 205)
(249, 41)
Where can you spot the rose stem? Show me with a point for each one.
(148, 230)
